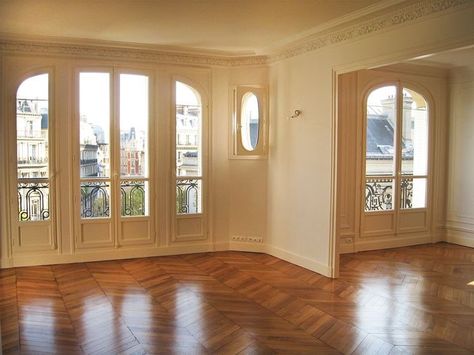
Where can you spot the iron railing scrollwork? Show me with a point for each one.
(133, 198)
(33, 201)
(406, 193)
(378, 194)
(187, 196)
(95, 199)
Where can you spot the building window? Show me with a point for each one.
(188, 157)
(129, 129)
(94, 140)
(32, 163)
(249, 132)
(396, 149)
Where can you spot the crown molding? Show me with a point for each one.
(350, 27)
(80, 48)
(330, 26)
(407, 14)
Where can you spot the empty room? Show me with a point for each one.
(236, 177)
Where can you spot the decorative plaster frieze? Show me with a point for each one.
(401, 16)
(411, 13)
(106, 52)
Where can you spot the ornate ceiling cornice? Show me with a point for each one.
(338, 34)
(411, 13)
(28, 46)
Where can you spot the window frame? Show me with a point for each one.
(237, 150)
(47, 228)
(202, 177)
(397, 176)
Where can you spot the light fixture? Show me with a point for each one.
(296, 114)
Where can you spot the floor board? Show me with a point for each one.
(413, 300)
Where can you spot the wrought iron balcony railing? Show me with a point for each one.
(33, 201)
(31, 161)
(187, 196)
(95, 199)
(379, 194)
(132, 198)
(88, 161)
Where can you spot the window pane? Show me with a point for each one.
(32, 128)
(381, 128)
(33, 201)
(95, 199)
(188, 196)
(250, 121)
(378, 194)
(133, 125)
(188, 131)
(94, 109)
(134, 198)
(414, 134)
(413, 193)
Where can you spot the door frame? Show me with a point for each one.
(397, 211)
(115, 219)
(344, 232)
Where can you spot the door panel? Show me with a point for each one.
(114, 165)
(33, 223)
(96, 188)
(378, 208)
(134, 225)
(413, 220)
(396, 170)
(96, 233)
(189, 170)
(376, 224)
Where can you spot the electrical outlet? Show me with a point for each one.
(247, 239)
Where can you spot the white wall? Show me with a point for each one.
(299, 189)
(239, 185)
(460, 215)
(285, 199)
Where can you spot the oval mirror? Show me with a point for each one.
(250, 121)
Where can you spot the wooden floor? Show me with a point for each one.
(406, 300)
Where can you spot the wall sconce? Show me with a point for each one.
(295, 115)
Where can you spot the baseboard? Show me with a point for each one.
(244, 246)
(346, 248)
(390, 242)
(460, 237)
(6, 263)
(103, 255)
(299, 260)
(32, 259)
(221, 246)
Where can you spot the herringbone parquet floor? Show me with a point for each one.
(408, 300)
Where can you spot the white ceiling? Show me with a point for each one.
(230, 26)
(458, 58)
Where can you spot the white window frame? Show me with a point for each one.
(238, 151)
(198, 221)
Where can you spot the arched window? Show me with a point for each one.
(396, 149)
(32, 135)
(188, 150)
